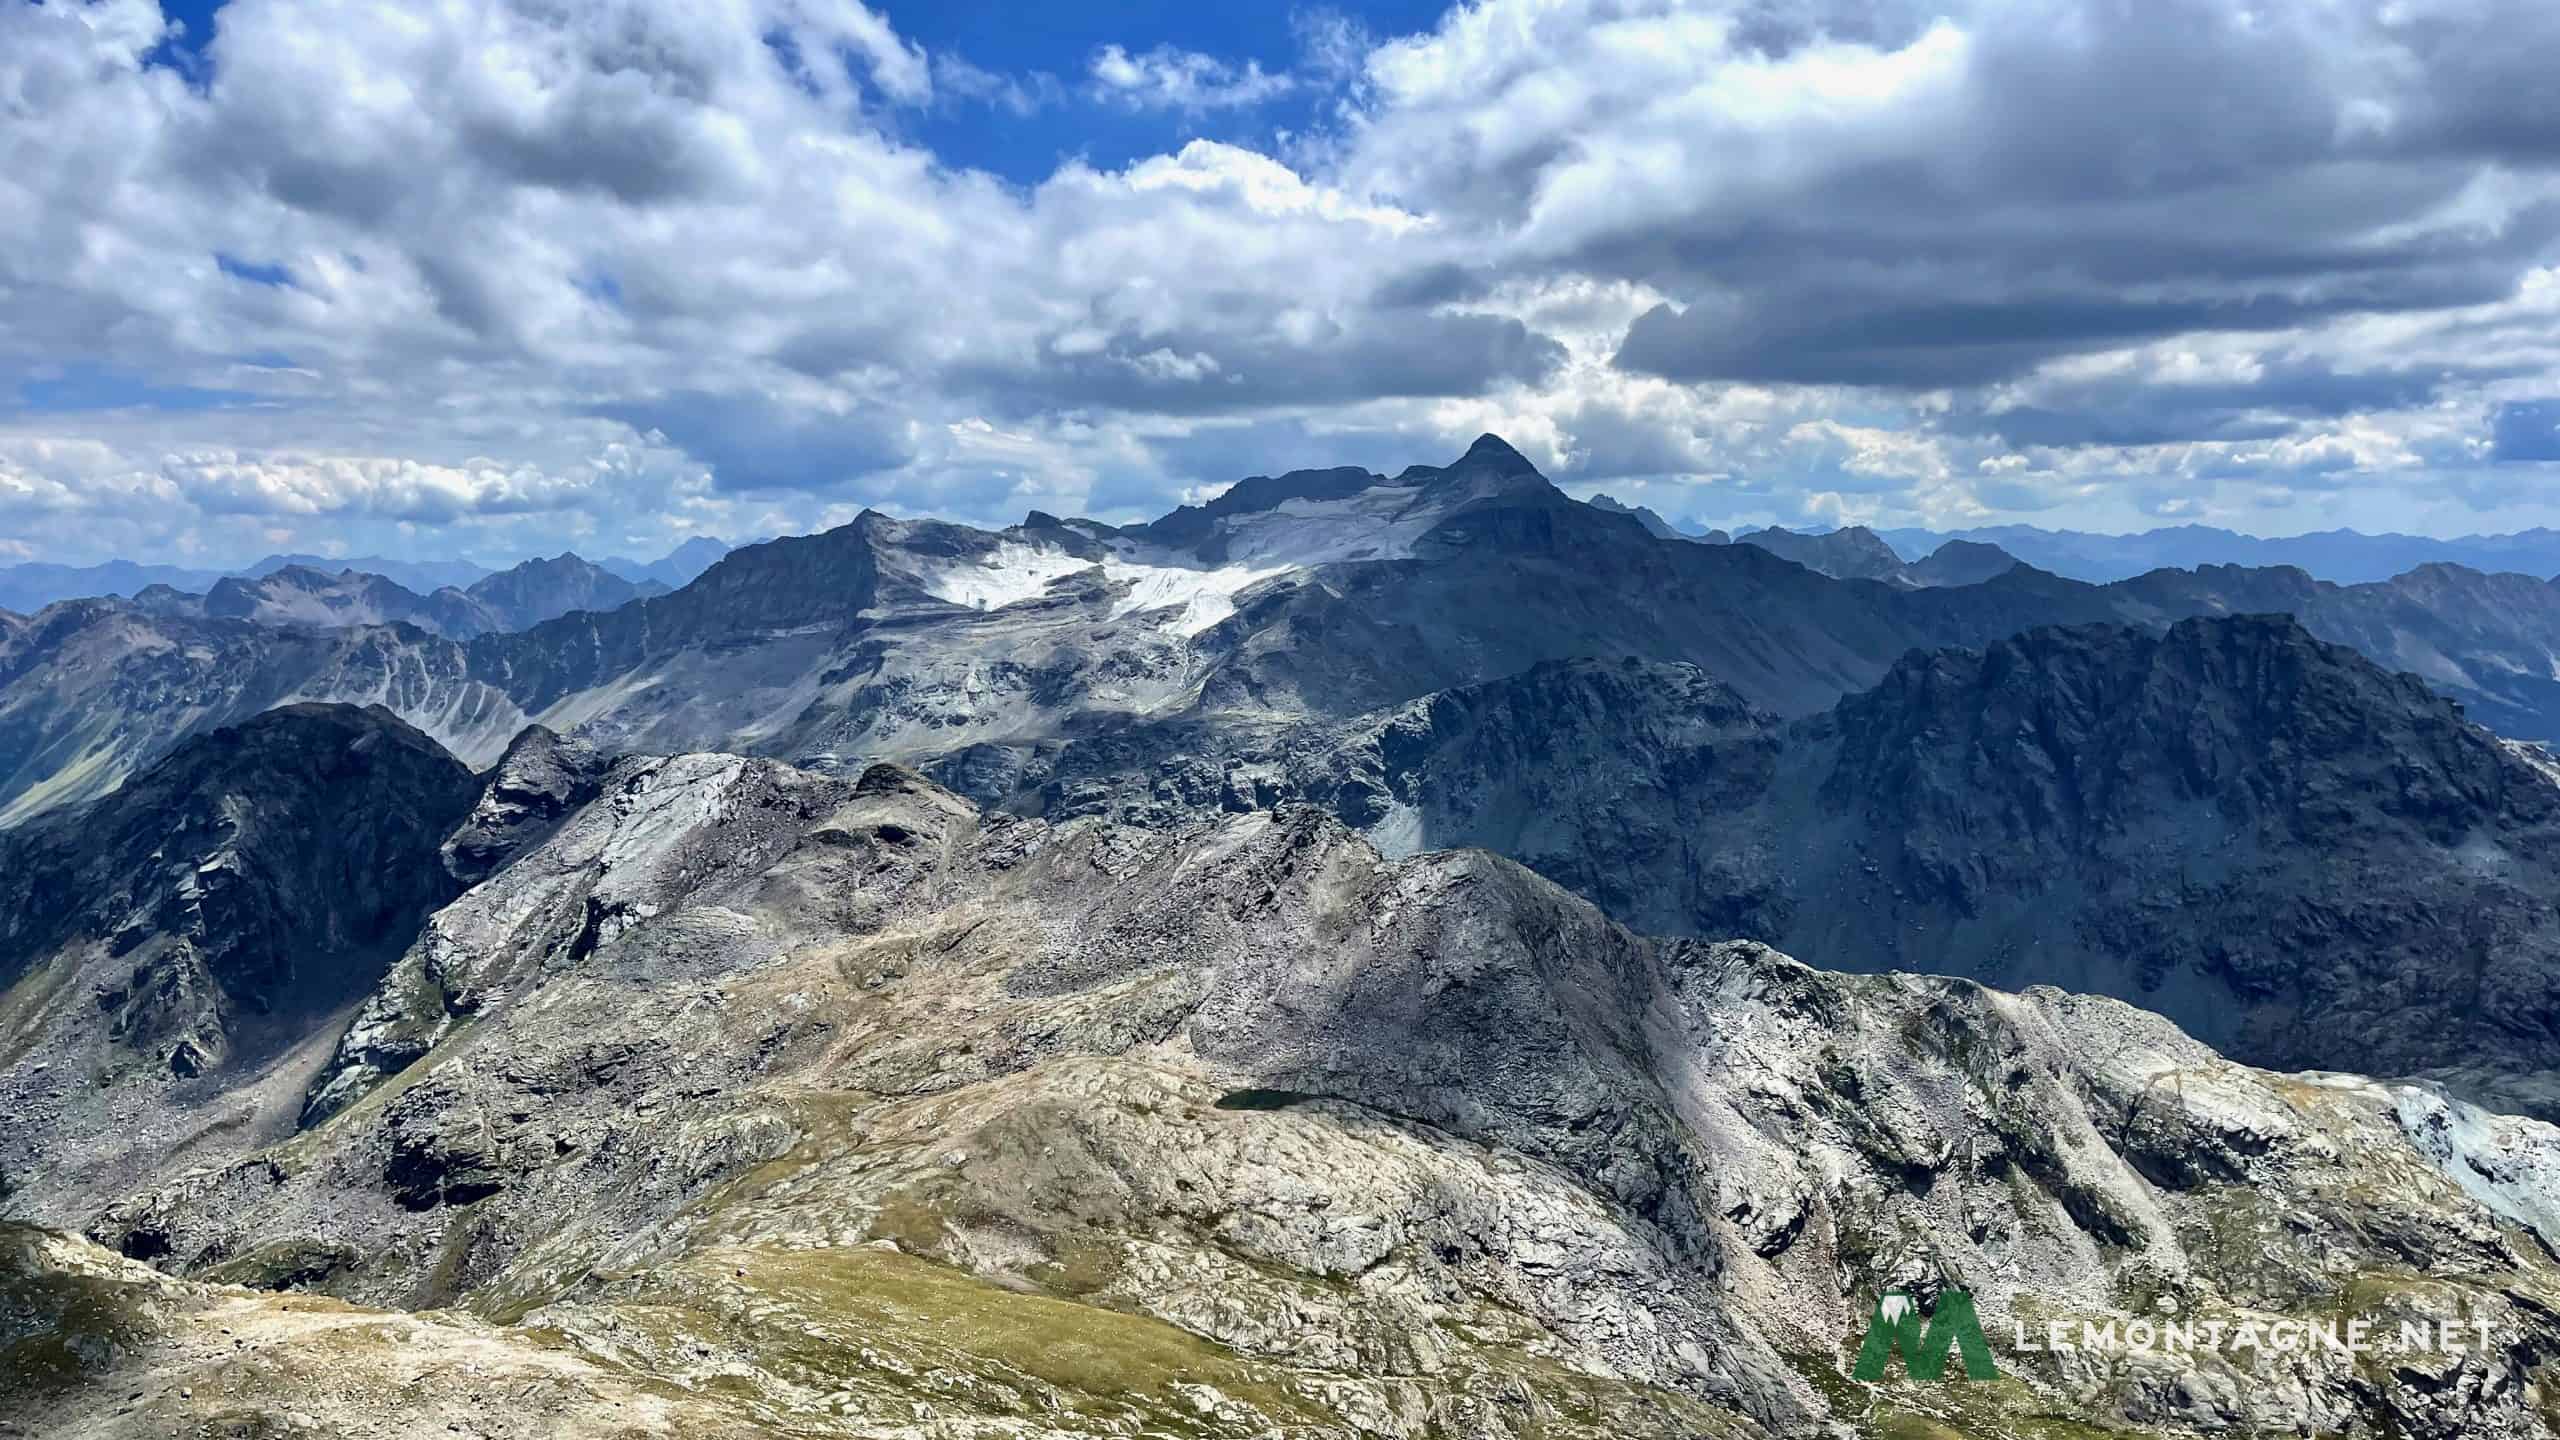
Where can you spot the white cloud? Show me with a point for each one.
(1909, 262)
(1166, 78)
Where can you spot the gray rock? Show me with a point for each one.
(774, 1077)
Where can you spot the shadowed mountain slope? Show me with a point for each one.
(2305, 859)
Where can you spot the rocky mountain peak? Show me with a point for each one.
(2276, 727)
(243, 885)
(1492, 452)
(1653, 523)
(1851, 553)
(1961, 562)
(543, 589)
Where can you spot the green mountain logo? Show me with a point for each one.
(1924, 1341)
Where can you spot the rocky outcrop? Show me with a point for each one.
(539, 781)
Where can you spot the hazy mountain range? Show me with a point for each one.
(2341, 556)
(2345, 556)
(34, 585)
(1317, 591)
(1301, 965)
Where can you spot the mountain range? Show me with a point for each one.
(1332, 592)
(32, 586)
(512, 599)
(1405, 955)
(2346, 557)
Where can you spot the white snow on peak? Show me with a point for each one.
(1008, 574)
(1380, 523)
(1185, 593)
(1198, 596)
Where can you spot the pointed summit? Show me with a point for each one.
(1494, 452)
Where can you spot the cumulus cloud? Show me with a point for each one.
(370, 267)
(1856, 197)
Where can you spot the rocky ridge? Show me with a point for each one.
(2265, 837)
(304, 595)
(826, 1105)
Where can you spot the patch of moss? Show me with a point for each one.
(60, 1328)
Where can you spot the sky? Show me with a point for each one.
(489, 278)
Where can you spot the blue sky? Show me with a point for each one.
(489, 277)
(1060, 41)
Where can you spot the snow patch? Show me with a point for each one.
(1398, 834)
(1009, 574)
(2536, 756)
(1380, 523)
(1199, 597)
(2509, 1164)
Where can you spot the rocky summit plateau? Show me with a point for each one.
(1367, 955)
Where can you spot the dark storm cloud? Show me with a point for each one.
(2071, 179)
(1939, 315)
(1441, 284)
(2134, 411)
